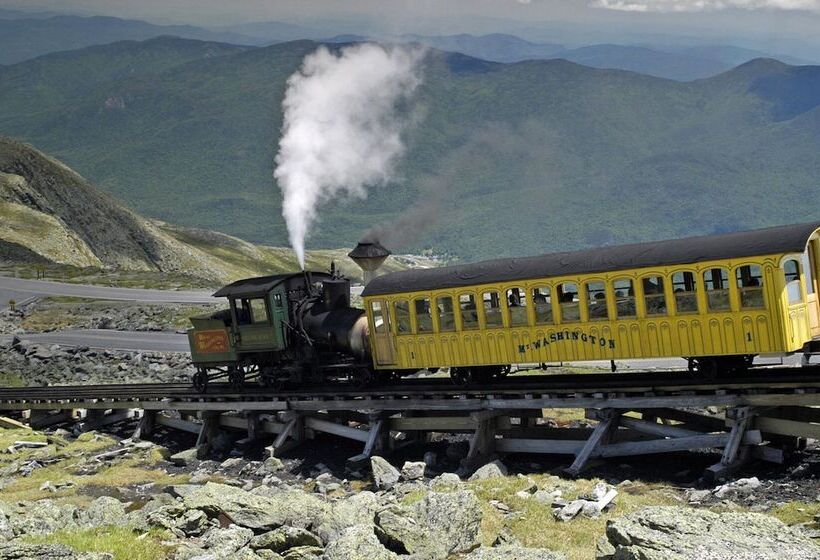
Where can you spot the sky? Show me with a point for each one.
(785, 26)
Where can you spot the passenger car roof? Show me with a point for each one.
(773, 240)
(261, 285)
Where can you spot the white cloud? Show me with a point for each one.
(705, 5)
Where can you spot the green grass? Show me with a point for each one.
(536, 526)
(123, 542)
(793, 513)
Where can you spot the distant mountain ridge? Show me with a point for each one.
(514, 159)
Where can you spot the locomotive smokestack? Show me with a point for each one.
(369, 255)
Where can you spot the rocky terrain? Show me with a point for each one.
(98, 496)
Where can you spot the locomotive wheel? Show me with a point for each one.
(200, 380)
(236, 377)
(267, 377)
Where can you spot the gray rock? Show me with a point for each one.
(183, 458)
(446, 481)
(357, 509)
(413, 470)
(439, 525)
(222, 543)
(102, 511)
(266, 554)
(271, 465)
(385, 475)
(496, 469)
(42, 518)
(26, 551)
(675, 533)
(303, 553)
(430, 459)
(285, 538)
(507, 552)
(358, 543)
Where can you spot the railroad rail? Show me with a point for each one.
(768, 413)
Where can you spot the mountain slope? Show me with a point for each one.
(26, 38)
(50, 214)
(508, 159)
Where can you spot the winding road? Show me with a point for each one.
(22, 289)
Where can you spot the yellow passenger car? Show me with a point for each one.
(717, 300)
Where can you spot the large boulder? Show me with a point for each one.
(507, 552)
(357, 509)
(42, 518)
(223, 543)
(675, 533)
(496, 469)
(439, 525)
(385, 475)
(290, 507)
(358, 543)
(105, 510)
(25, 551)
(285, 538)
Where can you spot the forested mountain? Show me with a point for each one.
(511, 159)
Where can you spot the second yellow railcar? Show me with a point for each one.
(718, 300)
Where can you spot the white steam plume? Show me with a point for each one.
(342, 127)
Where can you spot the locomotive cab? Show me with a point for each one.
(280, 328)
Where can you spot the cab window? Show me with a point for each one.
(596, 301)
(277, 300)
(716, 282)
(424, 318)
(402, 316)
(469, 313)
(492, 309)
(624, 298)
(791, 269)
(569, 301)
(252, 311)
(750, 286)
(517, 304)
(446, 317)
(654, 297)
(542, 303)
(685, 289)
(378, 317)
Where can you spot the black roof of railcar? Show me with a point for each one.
(261, 284)
(773, 240)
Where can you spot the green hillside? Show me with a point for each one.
(511, 158)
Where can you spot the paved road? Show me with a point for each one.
(112, 340)
(21, 289)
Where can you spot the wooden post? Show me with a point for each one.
(482, 444)
(253, 426)
(146, 426)
(291, 435)
(207, 434)
(378, 441)
(601, 433)
(734, 454)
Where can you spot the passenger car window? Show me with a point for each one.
(378, 317)
(469, 313)
(517, 304)
(654, 296)
(403, 316)
(569, 301)
(791, 268)
(446, 317)
(259, 311)
(424, 319)
(716, 282)
(596, 301)
(543, 305)
(492, 309)
(624, 298)
(686, 294)
(750, 286)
